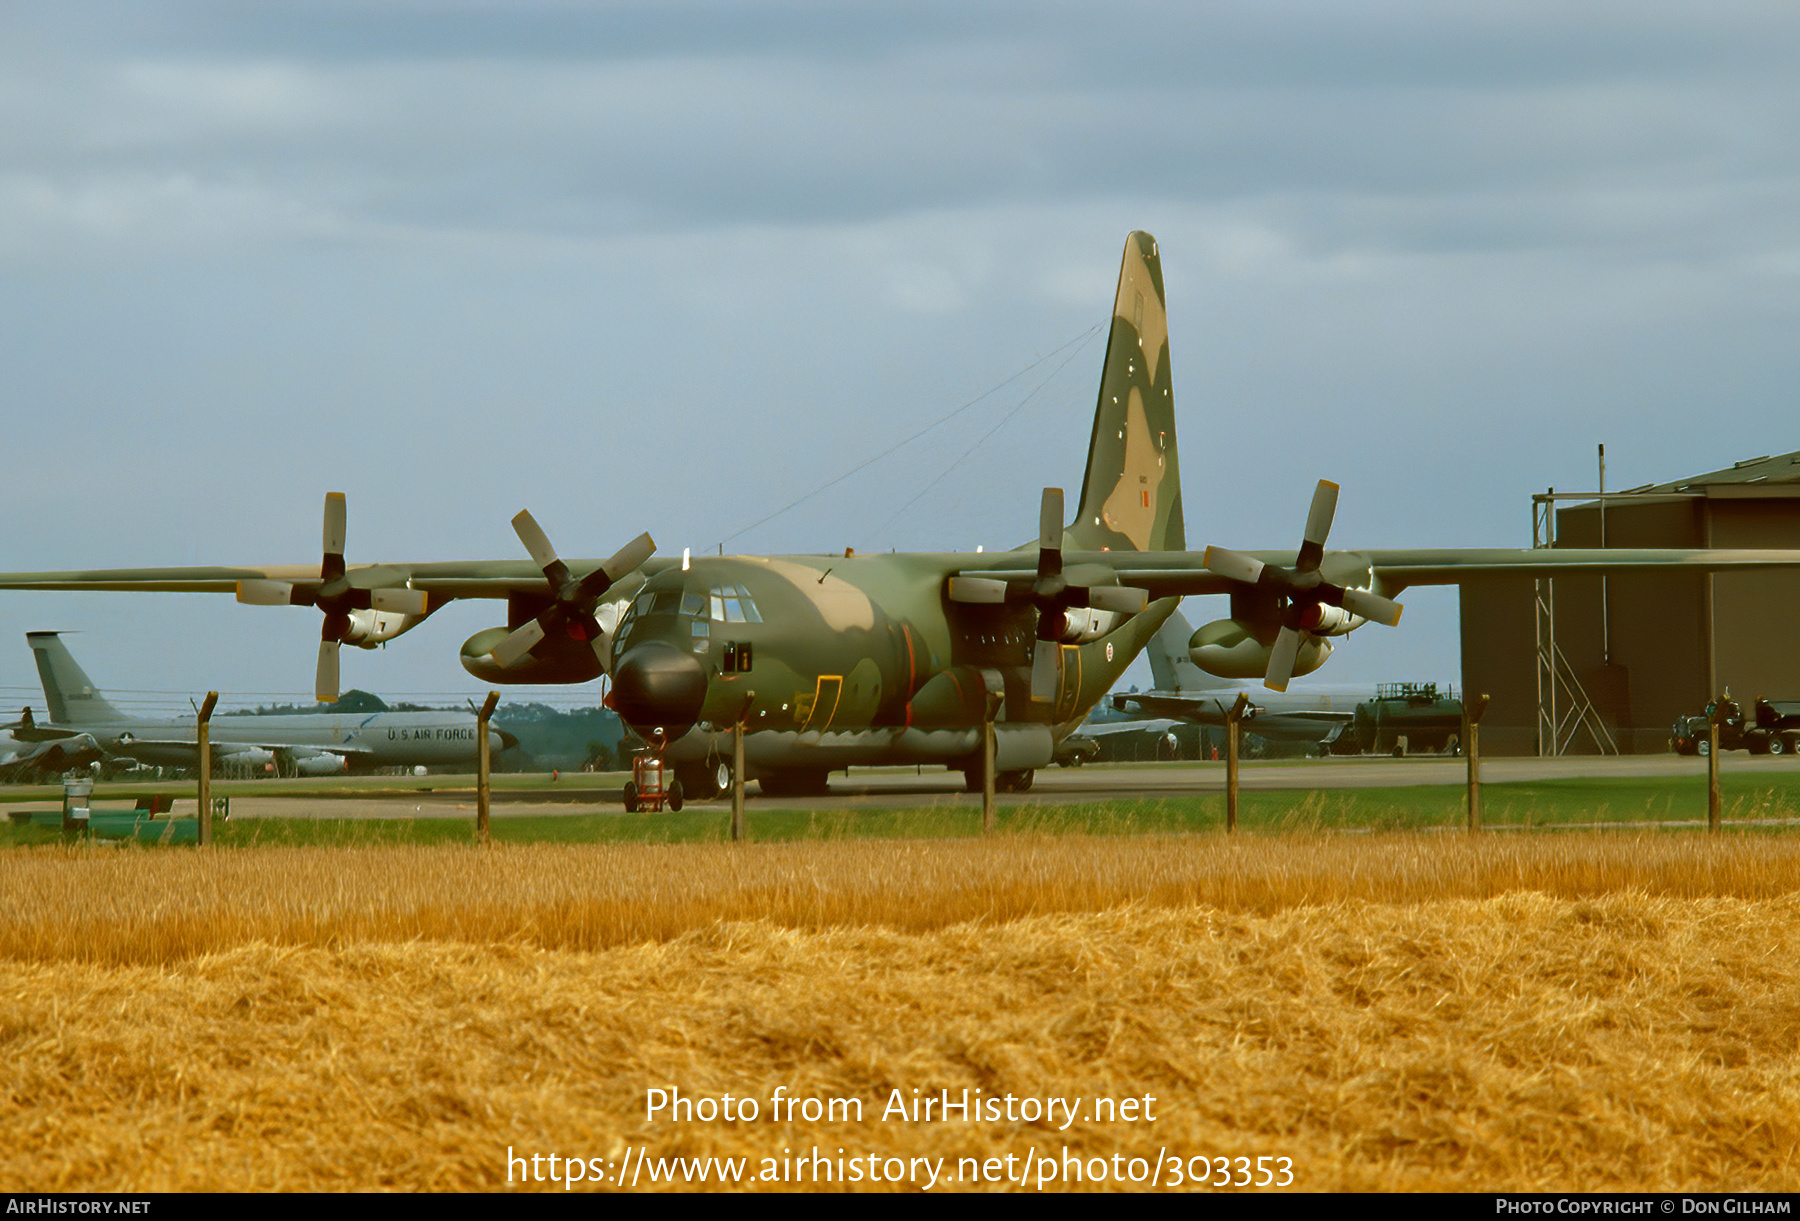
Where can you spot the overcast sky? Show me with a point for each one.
(668, 267)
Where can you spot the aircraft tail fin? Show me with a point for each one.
(68, 691)
(1131, 496)
(1170, 666)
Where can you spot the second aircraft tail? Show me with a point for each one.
(68, 691)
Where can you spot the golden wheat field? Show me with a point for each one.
(1410, 1012)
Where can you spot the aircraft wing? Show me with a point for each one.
(1185, 573)
(131, 743)
(443, 580)
(1306, 725)
(1397, 569)
(1107, 729)
(1160, 573)
(1208, 710)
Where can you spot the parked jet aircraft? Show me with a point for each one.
(834, 660)
(28, 753)
(310, 744)
(1184, 694)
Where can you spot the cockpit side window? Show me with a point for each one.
(732, 603)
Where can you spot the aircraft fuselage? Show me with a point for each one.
(364, 740)
(831, 661)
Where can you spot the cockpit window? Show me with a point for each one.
(655, 602)
(733, 604)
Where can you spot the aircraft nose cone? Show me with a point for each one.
(658, 687)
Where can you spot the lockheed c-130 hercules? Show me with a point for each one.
(836, 660)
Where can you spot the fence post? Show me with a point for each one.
(1471, 743)
(1713, 817)
(202, 724)
(1232, 720)
(738, 830)
(482, 763)
(992, 705)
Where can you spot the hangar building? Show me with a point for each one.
(1597, 666)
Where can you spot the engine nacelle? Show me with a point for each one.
(1228, 649)
(1084, 623)
(369, 628)
(556, 659)
(321, 764)
(1333, 621)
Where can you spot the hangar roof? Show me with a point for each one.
(1780, 468)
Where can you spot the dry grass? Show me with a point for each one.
(1392, 1013)
(127, 906)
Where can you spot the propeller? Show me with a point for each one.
(381, 587)
(571, 609)
(1054, 592)
(1303, 592)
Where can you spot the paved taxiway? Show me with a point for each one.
(888, 788)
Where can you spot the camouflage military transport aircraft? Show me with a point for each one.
(838, 660)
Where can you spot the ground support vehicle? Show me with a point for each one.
(652, 785)
(1772, 729)
(1416, 712)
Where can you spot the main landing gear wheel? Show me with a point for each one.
(704, 781)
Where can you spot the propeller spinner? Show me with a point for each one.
(1054, 593)
(1302, 589)
(380, 587)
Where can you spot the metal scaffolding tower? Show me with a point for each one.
(1564, 708)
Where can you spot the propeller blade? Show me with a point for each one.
(1234, 565)
(1281, 660)
(977, 589)
(510, 651)
(627, 559)
(535, 540)
(265, 593)
(335, 518)
(1125, 599)
(404, 601)
(1324, 508)
(325, 681)
(630, 557)
(1373, 607)
(1046, 661)
(1318, 526)
(1050, 520)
